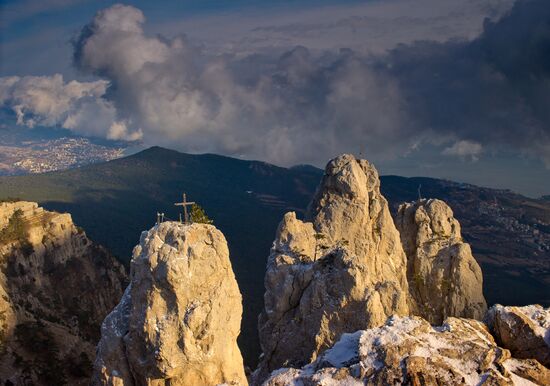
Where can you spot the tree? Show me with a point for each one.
(16, 230)
(198, 215)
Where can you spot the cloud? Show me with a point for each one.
(49, 101)
(493, 90)
(464, 149)
(368, 26)
(301, 105)
(282, 108)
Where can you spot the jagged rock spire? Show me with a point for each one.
(180, 316)
(444, 278)
(342, 271)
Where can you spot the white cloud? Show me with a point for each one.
(182, 97)
(117, 44)
(49, 101)
(119, 130)
(464, 149)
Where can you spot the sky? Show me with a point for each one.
(456, 89)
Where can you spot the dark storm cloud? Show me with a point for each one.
(494, 90)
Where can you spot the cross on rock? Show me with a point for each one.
(185, 204)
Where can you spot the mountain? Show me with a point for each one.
(116, 200)
(349, 267)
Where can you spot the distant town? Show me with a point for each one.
(57, 154)
(532, 233)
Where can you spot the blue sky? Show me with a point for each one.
(27, 26)
(443, 88)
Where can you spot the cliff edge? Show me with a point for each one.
(56, 287)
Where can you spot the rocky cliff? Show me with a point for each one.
(179, 318)
(410, 351)
(56, 287)
(444, 278)
(342, 270)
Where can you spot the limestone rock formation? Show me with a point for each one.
(444, 278)
(179, 318)
(341, 271)
(56, 286)
(410, 351)
(525, 331)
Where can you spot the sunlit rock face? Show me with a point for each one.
(410, 351)
(525, 331)
(56, 287)
(179, 318)
(342, 270)
(444, 278)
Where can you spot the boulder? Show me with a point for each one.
(525, 331)
(408, 350)
(444, 278)
(179, 318)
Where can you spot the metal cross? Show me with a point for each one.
(185, 204)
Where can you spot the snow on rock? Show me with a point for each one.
(408, 350)
(525, 331)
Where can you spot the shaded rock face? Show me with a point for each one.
(525, 331)
(341, 271)
(56, 287)
(410, 351)
(179, 318)
(444, 278)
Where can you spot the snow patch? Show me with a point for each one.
(345, 351)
